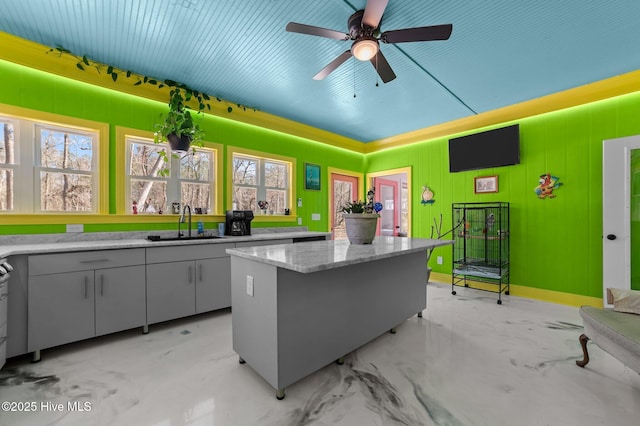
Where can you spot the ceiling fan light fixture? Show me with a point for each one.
(365, 49)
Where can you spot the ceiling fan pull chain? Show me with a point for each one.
(354, 78)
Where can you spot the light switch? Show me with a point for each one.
(250, 285)
(299, 202)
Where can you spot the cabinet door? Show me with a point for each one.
(60, 309)
(170, 291)
(213, 284)
(120, 299)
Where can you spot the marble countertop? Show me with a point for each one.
(321, 255)
(58, 243)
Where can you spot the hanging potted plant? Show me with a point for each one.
(361, 219)
(178, 126)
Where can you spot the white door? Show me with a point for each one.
(618, 204)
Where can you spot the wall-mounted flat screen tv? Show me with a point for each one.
(493, 148)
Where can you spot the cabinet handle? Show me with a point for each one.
(94, 261)
(200, 272)
(3, 339)
(190, 273)
(3, 296)
(86, 287)
(101, 284)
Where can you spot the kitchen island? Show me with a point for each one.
(297, 308)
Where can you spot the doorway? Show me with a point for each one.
(345, 187)
(621, 214)
(393, 190)
(387, 194)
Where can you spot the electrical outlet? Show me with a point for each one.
(299, 221)
(75, 227)
(439, 259)
(250, 285)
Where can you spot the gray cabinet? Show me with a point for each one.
(75, 296)
(61, 309)
(4, 298)
(213, 284)
(171, 291)
(120, 297)
(185, 280)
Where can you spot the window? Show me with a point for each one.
(156, 186)
(259, 179)
(48, 167)
(66, 169)
(7, 164)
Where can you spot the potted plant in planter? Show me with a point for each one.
(361, 219)
(179, 127)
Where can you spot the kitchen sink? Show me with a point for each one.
(183, 238)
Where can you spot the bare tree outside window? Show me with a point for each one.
(145, 161)
(188, 179)
(7, 156)
(66, 170)
(195, 180)
(244, 173)
(48, 167)
(343, 193)
(261, 179)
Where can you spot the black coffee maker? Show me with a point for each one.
(238, 222)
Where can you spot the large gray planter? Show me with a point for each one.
(361, 227)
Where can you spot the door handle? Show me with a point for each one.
(611, 237)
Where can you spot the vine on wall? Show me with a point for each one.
(188, 93)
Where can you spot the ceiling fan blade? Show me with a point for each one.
(294, 27)
(332, 65)
(373, 12)
(381, 65)
(434, 32)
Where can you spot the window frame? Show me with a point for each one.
(27, 168)
(263, 157)
(123, 203)
(38, 168)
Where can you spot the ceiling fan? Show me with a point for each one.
(365, 32)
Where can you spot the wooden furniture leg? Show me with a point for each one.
(583, 342)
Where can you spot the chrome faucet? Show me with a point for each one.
(181, 219)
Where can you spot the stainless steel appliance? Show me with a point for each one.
(5, 268)
(238, 222)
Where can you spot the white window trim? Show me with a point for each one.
(27, 163)
(38, 168)
(173, 180)
(261, 188)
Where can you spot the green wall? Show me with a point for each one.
(556, 244)
(29, 88)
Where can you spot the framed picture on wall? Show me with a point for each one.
(311, 177)
(485, 184)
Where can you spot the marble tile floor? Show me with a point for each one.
(468, 361)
